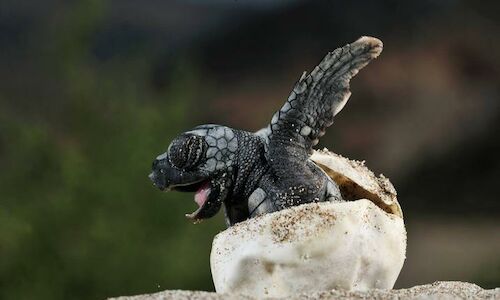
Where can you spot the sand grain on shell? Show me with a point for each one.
(300, 223)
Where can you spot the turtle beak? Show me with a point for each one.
(152, 176)
(158, 180)
(159, 174)
(164, 176)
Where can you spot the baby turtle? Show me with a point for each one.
(256, 173)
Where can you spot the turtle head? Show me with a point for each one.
(200, 161)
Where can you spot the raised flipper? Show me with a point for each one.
(314, 101)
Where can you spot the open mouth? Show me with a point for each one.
(206, 196)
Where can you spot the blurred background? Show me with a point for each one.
(91, 91)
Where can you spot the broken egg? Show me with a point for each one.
(358, 244)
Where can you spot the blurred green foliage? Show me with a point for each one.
(79, 218)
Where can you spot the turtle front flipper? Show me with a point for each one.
(314, 101)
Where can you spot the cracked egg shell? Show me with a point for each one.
(355, 245)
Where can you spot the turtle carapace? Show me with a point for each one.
(256, 173)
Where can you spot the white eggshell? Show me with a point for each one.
(353, 245)
(313, 247)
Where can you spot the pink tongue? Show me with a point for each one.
(201, 195)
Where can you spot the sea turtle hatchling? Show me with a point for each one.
(256, 173)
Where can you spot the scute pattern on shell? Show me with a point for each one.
(222, 146)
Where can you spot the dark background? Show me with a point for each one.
(91, 91)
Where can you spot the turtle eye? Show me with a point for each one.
(186, 151)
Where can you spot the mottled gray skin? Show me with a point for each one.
(257, 173)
